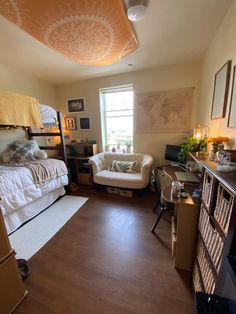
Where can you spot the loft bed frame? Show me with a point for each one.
(60, 134)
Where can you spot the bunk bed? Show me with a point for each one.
(27, 188)
(51, 118)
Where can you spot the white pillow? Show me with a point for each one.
(6, 157)
(40, 154)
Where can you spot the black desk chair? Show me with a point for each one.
(163, 206)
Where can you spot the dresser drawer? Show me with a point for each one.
(12, 290)
(5, 247)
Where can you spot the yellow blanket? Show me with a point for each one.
(19, 110)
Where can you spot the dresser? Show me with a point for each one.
(215, 260)
(12, 290)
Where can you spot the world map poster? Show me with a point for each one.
(164, 111)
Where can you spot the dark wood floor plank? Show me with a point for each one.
(106, 260)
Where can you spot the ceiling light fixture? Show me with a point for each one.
(136, 10)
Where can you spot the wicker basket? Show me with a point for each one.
(224, 205)
(205, 268)
(197, 283)
(207, 189)
(211, 238)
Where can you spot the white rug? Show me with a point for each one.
(36, 233)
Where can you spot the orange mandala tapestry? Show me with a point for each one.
(93, 32)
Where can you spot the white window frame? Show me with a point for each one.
(103, 91)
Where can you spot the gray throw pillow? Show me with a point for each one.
(21, 153)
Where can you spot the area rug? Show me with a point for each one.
(28, 240)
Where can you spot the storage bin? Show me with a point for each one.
(205, 269)
(126, 193)
(207, 189)
(112, 190)
(224, 205)
(212, 239)
(197, 282)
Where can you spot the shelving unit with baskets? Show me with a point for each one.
(212, 271)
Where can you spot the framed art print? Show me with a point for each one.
(220, 94)
(70, 123)
(84, 124)
(76, 105)
(232, 109)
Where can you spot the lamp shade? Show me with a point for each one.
(136, 12)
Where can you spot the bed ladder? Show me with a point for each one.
(60, 134)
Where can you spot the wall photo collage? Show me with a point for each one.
(76, 107)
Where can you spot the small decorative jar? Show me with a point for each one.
(214, 152)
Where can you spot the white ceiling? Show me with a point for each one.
(173, 31)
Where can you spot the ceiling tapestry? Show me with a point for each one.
(92, 32)
(164, 111)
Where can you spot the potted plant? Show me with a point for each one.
(128, 145)
(191, 144)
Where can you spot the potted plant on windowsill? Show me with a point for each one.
(191, 144)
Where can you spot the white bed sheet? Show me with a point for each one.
(18, 189)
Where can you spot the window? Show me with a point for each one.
(117, 117)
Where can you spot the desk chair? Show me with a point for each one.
(163, 206)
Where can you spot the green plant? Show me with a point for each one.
(190, 144)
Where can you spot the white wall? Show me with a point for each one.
(20, 82)
(161, 78)
(221, 49)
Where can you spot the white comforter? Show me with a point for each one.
(17, 187)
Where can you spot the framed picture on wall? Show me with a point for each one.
(70, 123)
(221, 89)
(84, 123)
(76, 105)
(232, 109)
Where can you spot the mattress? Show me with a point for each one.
(18, 189)
(48, 114)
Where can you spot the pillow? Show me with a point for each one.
(40, 154)
(6, 158)
(35, 146)
(123, 166)
(20, 153)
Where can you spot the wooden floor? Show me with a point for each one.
(105, 260)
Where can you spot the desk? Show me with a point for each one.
(183, 224)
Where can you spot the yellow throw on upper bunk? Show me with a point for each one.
(19, 110)
(94, 32)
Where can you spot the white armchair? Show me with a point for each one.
(138, 180)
